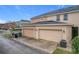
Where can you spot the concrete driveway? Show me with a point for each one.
(12, 47)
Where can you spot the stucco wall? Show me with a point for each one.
(43, 19)
(73, 18)
(66, 31)
(50, 33)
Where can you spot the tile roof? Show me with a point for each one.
(73, 8)
(47, 23)
(50, 22)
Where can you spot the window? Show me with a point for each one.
(65, 16)
(58, 17)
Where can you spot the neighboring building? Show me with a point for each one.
(54, 26)
(1, 25)
(7, 26)
(21, 22)
(12, 25)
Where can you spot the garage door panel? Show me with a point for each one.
(50, 35)
(28, 33)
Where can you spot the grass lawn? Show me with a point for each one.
(61, 51)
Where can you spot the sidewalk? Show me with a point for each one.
(43, 45)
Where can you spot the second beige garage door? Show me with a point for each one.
(51, 35)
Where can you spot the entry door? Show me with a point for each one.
(74, 32)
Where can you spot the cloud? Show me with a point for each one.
(2, 21)
(17, 7)
(60, 6)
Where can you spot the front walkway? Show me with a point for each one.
(46, 46)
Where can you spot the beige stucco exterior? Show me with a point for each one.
(47, 18)
(53, 32)
(73, 18)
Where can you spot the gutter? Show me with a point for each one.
(35, 25)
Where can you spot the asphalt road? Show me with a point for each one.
(8, 46)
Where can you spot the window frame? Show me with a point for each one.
(65, 17)
(58, 18)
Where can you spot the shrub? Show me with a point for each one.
(14, 29)
(7, 35)
(75, 45)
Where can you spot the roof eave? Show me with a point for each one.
(34, 25)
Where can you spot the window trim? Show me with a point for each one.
(58, 18)
(65, 17)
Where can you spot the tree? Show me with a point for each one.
(75, 45)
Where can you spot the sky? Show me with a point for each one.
(9, 13)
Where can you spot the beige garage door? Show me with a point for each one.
(51, 35)
(28, 32)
